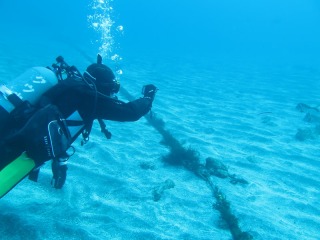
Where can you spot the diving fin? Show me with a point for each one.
(14, 172)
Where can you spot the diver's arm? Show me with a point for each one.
(115, 110)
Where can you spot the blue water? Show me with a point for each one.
(285, 31)
(230, 75)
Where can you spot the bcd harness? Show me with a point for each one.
(63, 72)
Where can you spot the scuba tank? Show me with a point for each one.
(29, 86)
(41, 131)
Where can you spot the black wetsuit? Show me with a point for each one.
(70, 96)
(74, 96)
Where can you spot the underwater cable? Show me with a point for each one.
(189, 158)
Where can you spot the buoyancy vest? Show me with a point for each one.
(44, 132)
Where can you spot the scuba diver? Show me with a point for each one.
(40, 128)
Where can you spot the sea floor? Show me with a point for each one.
(242, 115)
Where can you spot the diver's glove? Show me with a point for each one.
(59, 170)
(149, 91)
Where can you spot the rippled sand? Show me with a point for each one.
(243, 115)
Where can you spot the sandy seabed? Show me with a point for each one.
(243, 115)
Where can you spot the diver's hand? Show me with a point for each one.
(149, 91)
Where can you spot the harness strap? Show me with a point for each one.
(74, 123)
(86, 133)
(87, 130)
(104, 129)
